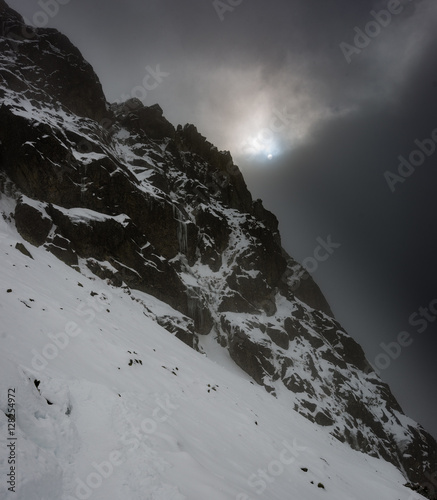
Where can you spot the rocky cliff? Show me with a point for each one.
(118, 190)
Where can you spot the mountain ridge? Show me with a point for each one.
(119, 191)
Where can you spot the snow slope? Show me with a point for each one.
(111, 406)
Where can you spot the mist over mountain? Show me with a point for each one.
(159, 224)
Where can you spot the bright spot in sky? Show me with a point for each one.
(260, 146)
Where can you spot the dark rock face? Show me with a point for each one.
(57, 67)
(141, 119)
(32, 223)
(224, 181)
(119, 191)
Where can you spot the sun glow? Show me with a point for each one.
(260, 146)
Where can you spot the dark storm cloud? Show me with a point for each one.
(274, 75)
(259, 56)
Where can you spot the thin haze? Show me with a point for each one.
(272, 78)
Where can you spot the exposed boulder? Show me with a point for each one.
(149, 120)
(32, 222)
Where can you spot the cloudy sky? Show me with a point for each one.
(317, 100)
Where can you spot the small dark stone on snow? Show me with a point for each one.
(21, 248)
(9, 290)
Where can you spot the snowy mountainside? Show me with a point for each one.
(157, 213)
(111, 405)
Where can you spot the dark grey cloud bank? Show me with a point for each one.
(262, 78)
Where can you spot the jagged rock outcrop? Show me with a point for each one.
(51, 68)
(117, 190)
(138, 118)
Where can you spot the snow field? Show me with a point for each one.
(110, 405)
